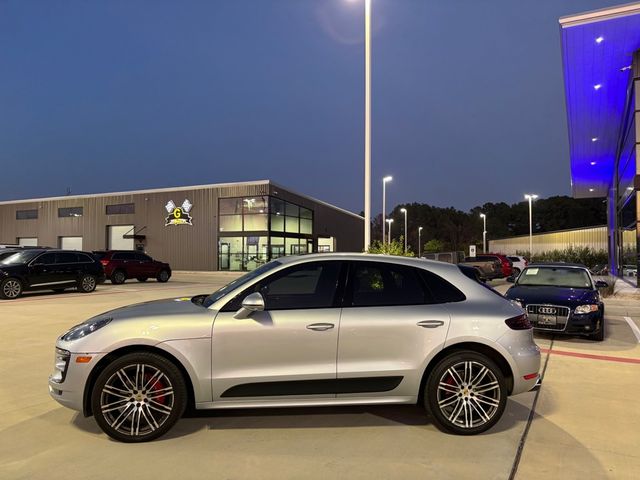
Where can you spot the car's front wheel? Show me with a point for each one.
(163, 276)
(465, 393)
(138, 397)
(599, 336)
(10, 288)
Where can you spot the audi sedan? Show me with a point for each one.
(313, 330)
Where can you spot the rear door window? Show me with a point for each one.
(66, 257)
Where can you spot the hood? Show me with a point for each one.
(570, 297)
(166, 308)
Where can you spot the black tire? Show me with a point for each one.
(118, 277)
(142, 279)
(599, 335)
(10, 288)
(448, 398)
(163, 276)
(516, 272)
(87, 283)
(115, 411)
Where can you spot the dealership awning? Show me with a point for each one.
(597, 50)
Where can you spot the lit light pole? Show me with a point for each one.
(389, 221)
(404, 210)
(531, 197)
(384, 202)
(419, 242)
(484, 232)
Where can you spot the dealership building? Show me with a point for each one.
(601, 61)
(231, 226)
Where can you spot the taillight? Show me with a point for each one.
(104, 262)
(521, 322)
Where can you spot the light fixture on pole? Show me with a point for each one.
(419, 242)
(531, 197)
(384, 202)
(484, 232)
(404, 210)
(389, 221)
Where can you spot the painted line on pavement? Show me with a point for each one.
(52, 296)
(634, 327)
(606, 358)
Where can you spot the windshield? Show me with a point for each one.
(22, 256)
(247, 277)
(555, 277)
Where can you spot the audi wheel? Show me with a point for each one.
(10, 288)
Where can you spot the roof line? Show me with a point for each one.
(316, 200)
(136, 192)
(600, 15)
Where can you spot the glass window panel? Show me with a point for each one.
(255, 204)
(255, 222)
(292, 246)
(306, 213)
(230, 206)
(277, 223)
(26, 214)
(121, 209)
(379, 284)
(292, 210)
(70, 212)
(291, 225)
(277, 206)
(231, 223)
(277, 247)
(306, 226)
(230, 253)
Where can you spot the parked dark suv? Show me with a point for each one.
(46, 269)
(122, 264)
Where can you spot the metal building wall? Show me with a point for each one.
(594, 237)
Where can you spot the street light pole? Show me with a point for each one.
(531, 197)
(404, 210)
(367, 125)
(384, 201)
(484, 232)
(389, 221)
(419, 241)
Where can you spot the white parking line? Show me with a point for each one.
(634, 328)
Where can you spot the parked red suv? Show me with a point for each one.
(122, 264)
(507, 265)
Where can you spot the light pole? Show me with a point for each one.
(419, 242)
(484, 232)
(531, 197)
(367, 124)
(404, 210)
(384, 201)
(389, 221)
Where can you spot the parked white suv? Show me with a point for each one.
(411, 331)
(519, 264)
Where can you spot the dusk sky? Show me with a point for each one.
(468, 102)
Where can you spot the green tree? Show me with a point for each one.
(434, 246)
(396, 247)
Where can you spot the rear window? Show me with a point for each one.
(514, 259)
(442, 291)
(472, 273)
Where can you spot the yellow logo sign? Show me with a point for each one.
(178, 215)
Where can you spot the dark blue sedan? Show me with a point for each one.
(561, 298)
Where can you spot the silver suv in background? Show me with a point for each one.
(411, 331)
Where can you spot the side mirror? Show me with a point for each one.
(511, 279)
(601, 284)
(254, 302)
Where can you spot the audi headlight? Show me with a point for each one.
(518, 302)
(582, 309)
(84, 329)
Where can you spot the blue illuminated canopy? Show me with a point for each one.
(597, 50)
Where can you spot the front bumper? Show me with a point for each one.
(70, 392)
(577, 324)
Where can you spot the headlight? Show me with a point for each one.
(60, 364)
(586, 309)
(84, 329)
(519, 303)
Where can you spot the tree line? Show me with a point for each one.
(450, 229)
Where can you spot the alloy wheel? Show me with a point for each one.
(468, 394)
(11, 288)
(88, 283)
(137, 400)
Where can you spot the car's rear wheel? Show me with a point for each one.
(465, 393)
(142, 279)
(138, 397)
(10, 288)
(163, 276)
(118, 277)
(87, 284)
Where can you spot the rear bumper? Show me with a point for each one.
(524, 359)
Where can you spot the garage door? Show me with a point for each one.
(71, 243)
(28, 241)
(115, 234)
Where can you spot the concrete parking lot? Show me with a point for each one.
(582, 423)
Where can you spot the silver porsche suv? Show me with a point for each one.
(324, 329)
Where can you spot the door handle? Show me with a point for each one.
(430, 323)
(320, 327)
